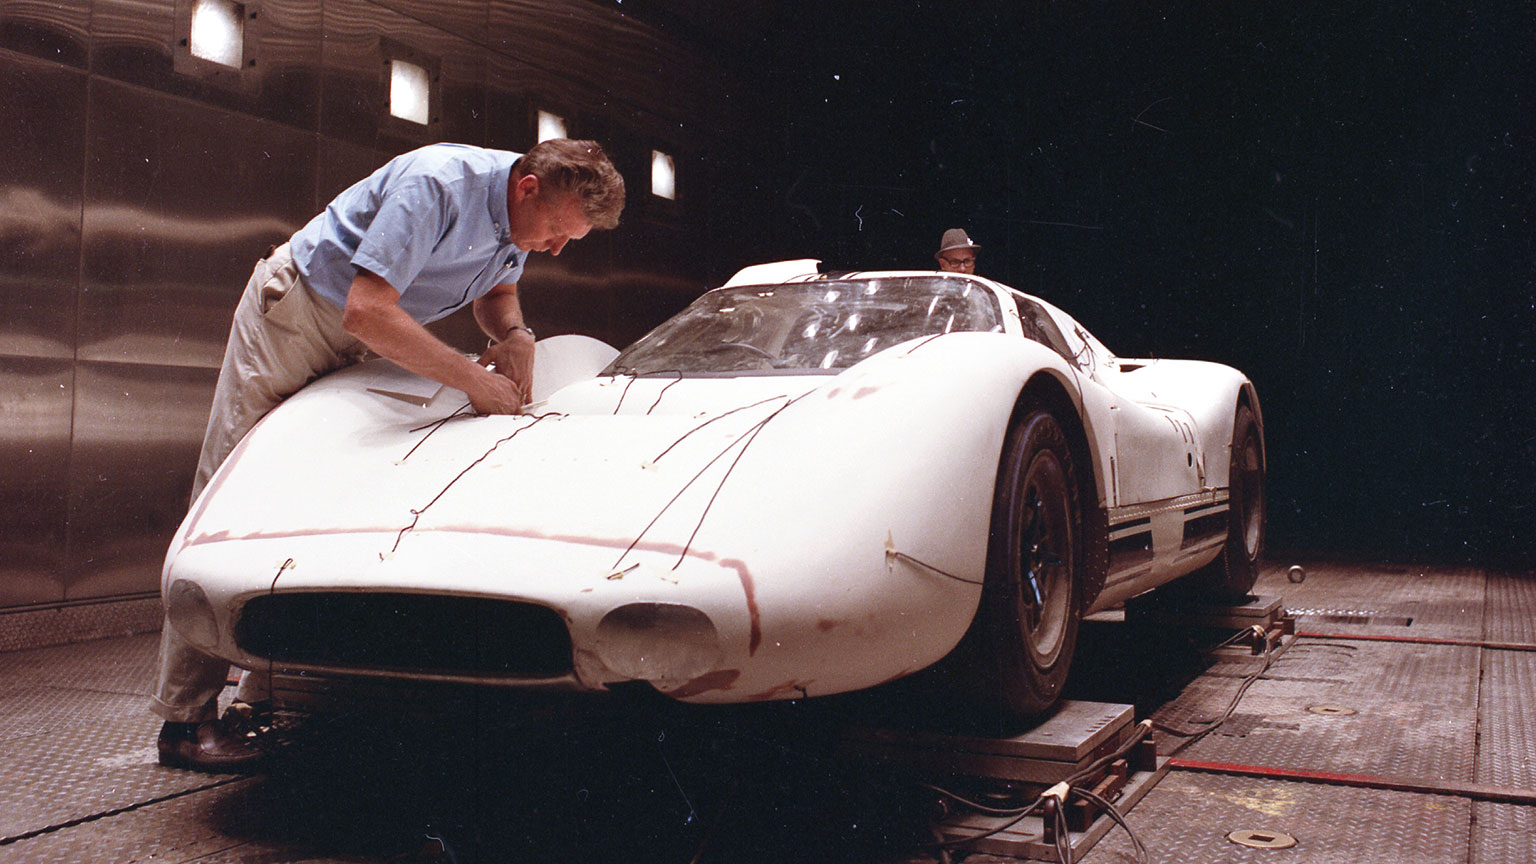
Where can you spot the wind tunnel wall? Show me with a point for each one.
(139, 184)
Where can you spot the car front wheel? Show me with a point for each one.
(1031, 602)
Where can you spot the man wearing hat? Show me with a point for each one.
(957, 254)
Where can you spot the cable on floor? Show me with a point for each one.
(1061, 793)
(1195, 735)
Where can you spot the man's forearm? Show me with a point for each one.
(374, 317)
(499, 312)
(500, 315)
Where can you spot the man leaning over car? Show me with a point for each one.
(434, 230)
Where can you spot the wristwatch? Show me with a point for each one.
(525, 328)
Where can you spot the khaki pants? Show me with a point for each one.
(283, 337)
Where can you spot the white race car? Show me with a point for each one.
(802, 484)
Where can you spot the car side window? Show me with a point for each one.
(1039, 327)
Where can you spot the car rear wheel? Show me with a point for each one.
(1232, 574)
(1032, 599)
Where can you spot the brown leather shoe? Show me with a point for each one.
(222, 746)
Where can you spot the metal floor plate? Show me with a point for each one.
(1188, 816)
(78, 779)
(1415, 711)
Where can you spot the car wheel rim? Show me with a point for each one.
(1252, 496)
(1045, 557)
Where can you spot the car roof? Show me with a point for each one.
(800, 270)
(808, 270)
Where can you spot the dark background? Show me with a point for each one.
(1334, 198)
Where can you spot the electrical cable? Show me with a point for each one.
(1142, 856)
(457, 412)
(1060, 827)
(118, 811)
(721, 486)
(1017, 818)
(634, 375)
(1095, 766)
(713, 824)
(667, 506)
(943, 852)
(711, 420)
(1193, 736)
(926, 566)
(1423, 640)
(977, 805)
(1019, 813)
(416, 514)
(272, 592)
(660, 395)
(751, 431)
(661, 739)
(1235, 638)
(434, 426)
(1063, 832)
(924, 342)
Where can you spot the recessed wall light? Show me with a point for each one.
(410, 90)
(551, 126)
(663, 176)
(218, 31)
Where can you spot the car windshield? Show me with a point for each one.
(821, 326)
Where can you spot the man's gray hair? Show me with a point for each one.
(580, 168)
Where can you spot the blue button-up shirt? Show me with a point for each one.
(432, 223)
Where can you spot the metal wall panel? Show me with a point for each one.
(642, 297)
(56, 30)
(138, 186)
(181, 201)
(463, 18)
(138, 41)
(656, 229)
(136, 436)
(342, 164)
(40, 191)
(360, 38)
(617, 306)
(40, 194)
(36, 395)
(533, 75)
(589, 49)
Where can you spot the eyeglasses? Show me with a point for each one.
(958, 262)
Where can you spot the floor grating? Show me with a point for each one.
(78, 779)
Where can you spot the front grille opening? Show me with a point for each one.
(407, 632)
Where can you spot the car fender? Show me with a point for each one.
(1208, 393)
(920, 423)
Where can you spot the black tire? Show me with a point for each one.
(1232, 574)
(1026, 627)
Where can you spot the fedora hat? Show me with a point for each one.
(955, 238)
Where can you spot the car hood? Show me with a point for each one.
(611, 461)
(339, 458)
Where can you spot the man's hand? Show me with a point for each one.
(374, 316)
(513, 359)
(493, 393)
